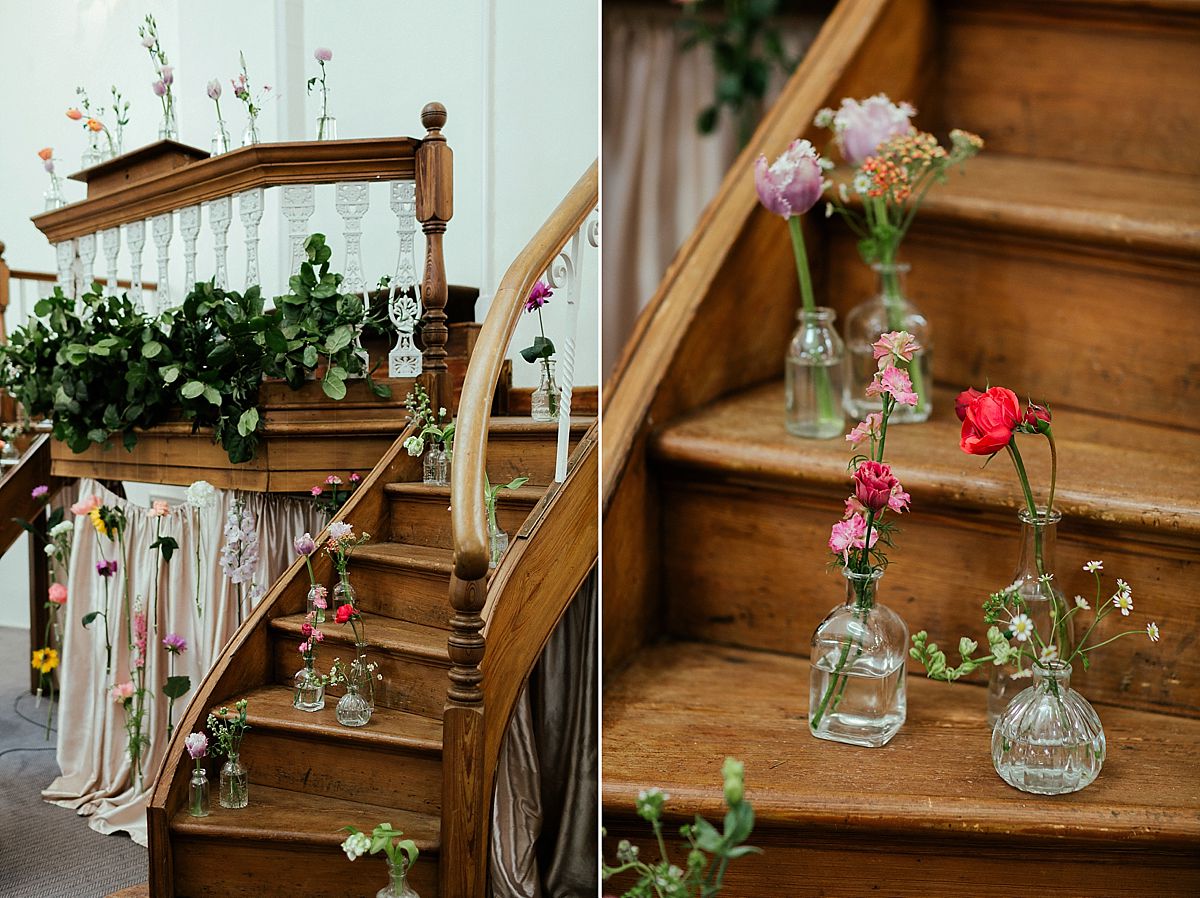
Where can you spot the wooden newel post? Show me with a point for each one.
(465, 809)
(435, 206)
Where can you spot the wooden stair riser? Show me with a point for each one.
(1137, 114)
(1039, 317)
(425, 520)
(238, 868)
(746, 565)
(346, 768)
(841, 862)
(405, 594)
(529, 454)
(409, 684)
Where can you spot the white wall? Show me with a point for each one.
(390, 58)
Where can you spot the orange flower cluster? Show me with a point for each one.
(899, 163)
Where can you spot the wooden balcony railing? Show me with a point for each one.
(471, 740)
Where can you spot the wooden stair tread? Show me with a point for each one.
(1079, 203)
(529, 494)
(403, 555)
(386, 634)
(271, 708)
(680, 708)
(520, 426)
(1119, 473)
(280, 815)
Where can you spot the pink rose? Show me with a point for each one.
(58, 594)
(873, 482)
(964, 400)
(158, 509)
(316, 491)
(860, 127)
(1035, 414)
(792, 184)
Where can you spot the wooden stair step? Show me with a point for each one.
(287, 843)
(286, 747)
(821, 808)
(522, 447)
(404, 581)
(420, 512)
(747, 510)
(412, 658)
(1148, 212)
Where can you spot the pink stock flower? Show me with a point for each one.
(853, 507)
(896, 383)
(323, 54)
(318, 636)
(174, 643)
(897, 346)
(538, 296)
(159, 88)
(868, 428)
(122, 692)
(792, 184)
(85, 505)
(849, 534)
(139, 637)
(39, 491)
(303, 647)
(898, 500)
(58, 594)
(861, 126)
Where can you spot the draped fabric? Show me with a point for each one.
(97, 778)
(659, 172)
(546, 803)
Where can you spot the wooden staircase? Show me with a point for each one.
(1064, 263)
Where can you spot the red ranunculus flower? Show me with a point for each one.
(965, 398)
(873, 482)
(989, 421)
(344, 612)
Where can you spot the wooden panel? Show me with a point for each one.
(585, 401)
(156, 158)
(753, 706)
(1042, 319)
(421, 514)
(410, 583)
(1030, 108)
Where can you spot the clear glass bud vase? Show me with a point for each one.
(857, 675)
(309, 688)
(198, 793)
(816, 377)
(235, 782)
(543, 406)
(220, 141)
(498, 540)
(250, 135)
(344, 592)
(354, 709)
(317, 602)
(168, 129)
(92, 155)
(397, 886)
(326, 127)
(1041, 600)
(888, 310)
(1049, 740)
(435, 469)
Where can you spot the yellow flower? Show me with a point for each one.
(98, 522)
(45, 660)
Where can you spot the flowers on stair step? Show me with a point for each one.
(329, 496)
(401, 854)
(228, 731)
(711, 849)
(196, 745)
(543, 404)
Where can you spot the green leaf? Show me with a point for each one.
(383, 391)
(211, 394)
(334, 387)
(739, 822)
(706, 121)
(151, 349)
(177, 686)
(310, 356)
(129, 440)
(248, 422)
(170, 374)
(89, 617)
(192, 389)
(707, 837)
(542, 348)
(339, 339)
(167, 545)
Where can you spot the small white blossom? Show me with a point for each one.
(1152, 631)
(1082, 603)
(1022, 627)
(62, 528)
(1022, 674)
(862, 184)
(1049, 653)
(1092, 566)
(823, 118)
(829, 210)
(49, 549)
(202, 495)
(356, 845)
(1046, 578)
(414, 446)
(1123, 602)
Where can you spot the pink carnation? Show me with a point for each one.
(897, 346)
(122, 692)
(538, 296)
(896, 383)
(849, 534)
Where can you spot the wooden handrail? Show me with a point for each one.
(471, 427)
(46, 277)
(261, 165)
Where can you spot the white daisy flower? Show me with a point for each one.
(1081, 602)
(1092, 566)
(1022, 627)
(1152, 631)
(1049, 653)
(1022, 674)
(1123, 602)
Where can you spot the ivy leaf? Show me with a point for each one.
(542, 348)
(129, 440)
(166, 545)
(177, 686)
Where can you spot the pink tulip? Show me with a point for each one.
(167, 73)
(159, 88)
(792, 184)
(214, 89)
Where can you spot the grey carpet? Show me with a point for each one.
(46, 851)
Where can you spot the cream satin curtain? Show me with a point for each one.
(659, 172)
(97, 779)
(545, 809)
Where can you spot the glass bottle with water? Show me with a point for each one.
(815, 376)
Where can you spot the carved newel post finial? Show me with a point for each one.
(433, 117)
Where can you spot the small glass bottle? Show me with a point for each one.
(344, 592)
(1043, 602)
(317, 611)
(888, 310)
(309, 688)
(92, 155)
(168, 129)
(815, 377)
(397, 886)
(235, 782)
(1049, 739)
(543, 406)
(363, 674)
(198, 793)
(498, 540)
(443, 464)
(250, 135)
(326, 127)
(429, 465)
(9, 455)
(857, 673)
(220, 141)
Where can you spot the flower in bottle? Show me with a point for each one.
(58, 594)
(792, 184)
(989, 420)
(860, 126)
(196, 745)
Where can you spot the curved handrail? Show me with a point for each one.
(474, 412)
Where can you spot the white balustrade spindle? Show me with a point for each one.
(250, 209)
(135, 239)
(189, 229)
(298, 203)
(163, 228)
(111, 238)
(404, 296)
(220, 214)
(352, 200)
(87, 263)
(64, 254)
(567, 271)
